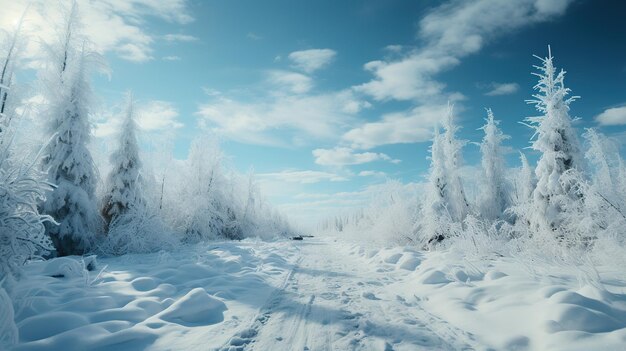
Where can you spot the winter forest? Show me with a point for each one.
(122, 246)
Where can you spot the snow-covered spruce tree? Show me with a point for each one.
(558, 144)
(457, 203)
(445, 201)
(67, 159)
(124, 180)
(133, 225)
(434, 209)
(495, 197)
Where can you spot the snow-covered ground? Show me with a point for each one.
(317, 294)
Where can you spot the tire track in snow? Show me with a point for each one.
(244, 338)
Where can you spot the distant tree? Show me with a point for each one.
(558, 144)
(124, 181)
(67, 159)
(526, 181)
(495, 196)
(603, 156)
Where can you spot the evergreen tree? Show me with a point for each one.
(495, 197)
(445, 198)
(456, 201)
(124, 180)
(434, 208)
(558, 144)
(67, 159)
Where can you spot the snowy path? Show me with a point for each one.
(316, 294)
(333, 301)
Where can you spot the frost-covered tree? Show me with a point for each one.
(456, 201)
(434, 209)
(22, 185)
(603, 157)
(445, 200)
(525, 181)
(558, 144)
(9, 54)
(495, 196)
(124, 181)
(67, 159)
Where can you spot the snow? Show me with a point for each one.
(321, 293)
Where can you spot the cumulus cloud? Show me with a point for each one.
(301, 116)
(452, 31)
(612, 116)
(413, 126)
(497, 89)
(372, 174)
(295, 82)
(157, 115)
(312, 60)
(343, 156)
(112, 25)
(304, 177)
(150, 116)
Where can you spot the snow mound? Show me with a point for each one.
(69, 267)
(195, 308)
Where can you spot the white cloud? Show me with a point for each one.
(312, 60)
(157, 115)
(151, 116)
(343, 156)
(304, 177)
(394, 128)
(112, 25)
(612, 116)
(171, 58)
(452, 31)
(498, 89)
(179, 37)
(295, 82)
(406, 79)
(372, 174)
(300, 116)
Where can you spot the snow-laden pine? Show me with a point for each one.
(495, 196)
(557, 142)
(124, 187)
(132, 224)
(67, 159)
(446, 202)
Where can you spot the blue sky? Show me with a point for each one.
(327, 99)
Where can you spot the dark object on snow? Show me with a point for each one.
(436, 239)
(299, 237)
